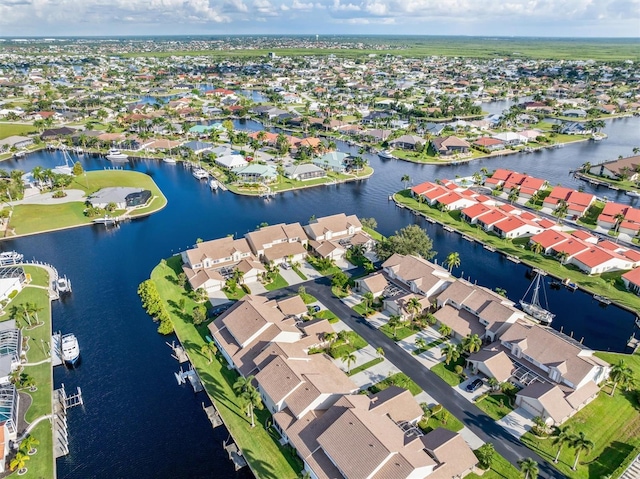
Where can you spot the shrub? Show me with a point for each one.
(13, 294)
(459, 369)
(59, 194)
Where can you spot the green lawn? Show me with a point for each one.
(365, 366)
(398, 379)
(328, 315)
(313, 261)
(351, 343)
(500, 469)
(11, 129)
(597, 284)
(612, 423)
(404, 331)
(447, 371)
(278, 283)
(260, 447)
(430, 345)
(40, 465)
(303, 277)
(27, 219)
(39, 276)
(496, 406)
(236, 294)
(452, 423)
(373, 233)
(308, 298)
(363, 310)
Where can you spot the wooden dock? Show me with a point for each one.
(56, 352)
(192, 376)
(235, 455)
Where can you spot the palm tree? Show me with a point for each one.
(620, 374)
(472, 343)
(421, 343)
(380, 352)
(619, 218)
(405, 179)
(33, 309)
(242, 384)
(451, 353)
(580, 443)
(209, 350)
(561, 436)
(528, 468)
(252, 399)
(330, 337)
(537, 248)
(28, 444)
(445, 330)
(562, 256)
(368, 299)
(414, 306)
(19, 461)
(395, 321)
(452, 261)
(349, 358)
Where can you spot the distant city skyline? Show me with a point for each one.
(539, 18)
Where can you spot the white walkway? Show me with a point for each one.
(517, 422)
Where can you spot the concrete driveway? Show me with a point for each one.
(517, 422)
(470, 396)
(217, 298)
(290, 276)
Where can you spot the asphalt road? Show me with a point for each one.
(470, 415)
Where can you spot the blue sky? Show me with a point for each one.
(552, 18)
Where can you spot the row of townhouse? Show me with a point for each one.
(621, 218)
(209, 263)
(336, 432)
(557, 375)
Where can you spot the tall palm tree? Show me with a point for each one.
(452, 261)
(620, 374)
(561, 436)
(330, 337)
(472, 343)
(414, 306)
(395, 321)
(536, 248)
(209, 350)
(252, 399)
(368, 299)
(242, 384)
(19, 461)
(451, 353)
(349, 358)
(528, 468)
(421, 343)
(445, 330)
(405, 179)
(28, 444)
(580, 443)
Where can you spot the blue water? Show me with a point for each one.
(137, 422)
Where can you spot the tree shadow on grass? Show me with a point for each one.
(172, 279)
(610, 458)
(262, 468)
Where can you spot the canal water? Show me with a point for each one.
(137, 422)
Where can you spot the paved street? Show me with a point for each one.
(472, 417)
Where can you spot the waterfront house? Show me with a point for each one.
(231, 161)
(624, 167)
(407, 142)
(331, 236)
(278, 242)
(118, 195)
(453, 200)
(15, 141)
(257, 173)
(332, 161)
(304, 172)
(631, 280)
(198, 147)
(515, 227)
(449, 145)
(491, 144)
(374, 436)
(510, 138)
(469, 309)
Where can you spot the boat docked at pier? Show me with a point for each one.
(386, 155)
(63, 285)
(116, 155)
(533, 307)
(633, 194)
(169, 160)
(70, 349)
(10, 257)
(200, 173)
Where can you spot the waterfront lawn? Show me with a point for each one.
(268, 459)
(347, 343)
(365, 366)
(599, 284)
(41, 399)
(404, 331)
(500, 469)
(39, 276)
(11, 129)
(373, 233)
(41, 463)
(611, 423)
(448, 372)
(434, 422)
(398, 379)
(278, 283)
(496, 406)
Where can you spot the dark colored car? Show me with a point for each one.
(314, 309)
(474, 385)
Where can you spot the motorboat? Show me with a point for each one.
(70, 349)
(116, 155)
(169, 160)
(633, 193)
(570, 285)
(19, 154)
(200, 173)
(386, 155)
(533, 307)
(213, 184)
(10, 257)
(63, 285)
(598, 136)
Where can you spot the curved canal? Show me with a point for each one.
(137, 422)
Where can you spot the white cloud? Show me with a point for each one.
(299, 5)
(265, 8)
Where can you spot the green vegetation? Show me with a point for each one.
(442, 418)
(496, 406)
(611, 423)
(398, 379)
(259, 445)
(500, 469)
(39, 276)
(448, 371)
(325, 267)
(364, 366)
(606, 284)
(28, 219)
(346, 343)
(278, 283)
(405, 330)
(469, 47)
(11, 129)
(410, 240)
(328, 315)
(428, 346)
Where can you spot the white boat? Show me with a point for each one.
(63, 285)
(598, 136)
(19, 154)
(70, 349)
(213, 184)
(386, 155)
(534, 308)
(168, 159)
(633, 193)
(200, 173)
(116, 155)
(78, 150)
(10, 257)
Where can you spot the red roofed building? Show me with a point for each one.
(455, 201)
(597, 260)
(433, 194)
(489, 219)
(584, 236)
(422, 188)
(570, 248)
(631, 280)
(548, 239)
(491, 144)
(558, 193)
(579, 202)
(514, 227)
(470, 214)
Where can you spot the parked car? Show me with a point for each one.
(285, 266)
(219, 310)
(314, 309)
(474, 385)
